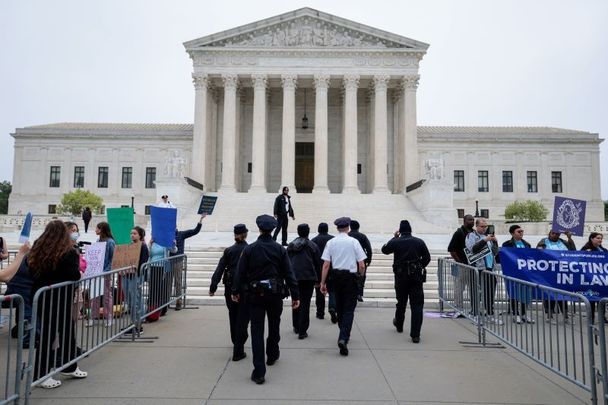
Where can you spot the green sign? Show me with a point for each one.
(121, 223)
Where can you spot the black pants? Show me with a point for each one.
(409, 287)
(319, 302)
(346, 290)
(514, 310)
(488, 286)
(549, 306)
(361, 282)
(301, 316)
(238, 315)
(86, 226)
(281, 226)
(260, 307)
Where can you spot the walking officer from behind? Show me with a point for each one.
(345, 256)
(409, 265)
(264, 277)
(237, 312)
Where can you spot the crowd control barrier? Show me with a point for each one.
(552, 327)
(11, 351)
(600, 328)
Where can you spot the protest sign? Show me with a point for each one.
(95, 254)
(474, 257)
(579, 272)
(207, 204)
(164, 222)
(121, 223)
(126, 256)
(27, 228)
(569, 215)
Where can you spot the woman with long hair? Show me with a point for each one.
(594, 244)
(159, 282)
(132, 282)
(54, 260)
(102, 230)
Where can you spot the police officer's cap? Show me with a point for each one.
(342, 222)
(240, 228)
(405, 227)
(266, 222)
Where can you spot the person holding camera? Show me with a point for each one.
(409, 265)
(482, 238)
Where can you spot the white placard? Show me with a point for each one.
(95, 255)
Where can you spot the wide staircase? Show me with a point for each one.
(379, 291)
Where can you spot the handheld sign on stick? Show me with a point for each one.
(164, 221)
(121, 222)
(27, 228)
(207, 204)
(569, 215)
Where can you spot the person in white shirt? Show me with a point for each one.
(165, 203)
(345, 256)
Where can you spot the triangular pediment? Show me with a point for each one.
(305, 28)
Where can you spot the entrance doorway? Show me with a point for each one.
(305, 166)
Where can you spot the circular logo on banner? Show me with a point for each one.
(567, 215)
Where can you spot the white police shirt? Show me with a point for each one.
(344, 252)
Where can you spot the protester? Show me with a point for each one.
(132, 283)
(176, 274)
(86, 217)
(367, 248)
(238, 312)
(19, 281)
(306, 264)
(321, 240)
(159, 281)
(518, 293)
(7, 273)
(54, 260)
(79, 295)
(282, 209)
(594, 244)
(102, 230)
(456, 249)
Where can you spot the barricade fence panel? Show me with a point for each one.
(11, 350)
(600, 330)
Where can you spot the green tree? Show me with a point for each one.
(75, 201)
(5, 191)
(526, 211)
(606, 210)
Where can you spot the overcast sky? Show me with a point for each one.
(513, 63)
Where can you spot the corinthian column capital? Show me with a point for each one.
(410, 82)
(231, 81)
(321, 81)
(381, 82)
(351, 81)
(259, 81)
(200, 80)
(289, 81)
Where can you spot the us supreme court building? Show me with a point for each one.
(321, 104)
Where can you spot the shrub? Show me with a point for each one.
(526, 211)
(75, 201)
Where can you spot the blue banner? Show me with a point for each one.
(579, 272)
(27, 228)
(164, 222)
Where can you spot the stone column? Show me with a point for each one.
(258, 145)
(380, 134)
(288, 142)
(410, 138)
(351, 84)
(198, 167)
(229, 133)
(321, 157)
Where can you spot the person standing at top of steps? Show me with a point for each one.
(409, 265)
(282, 209)
(367, 248)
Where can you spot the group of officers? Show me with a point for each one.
(258, 276)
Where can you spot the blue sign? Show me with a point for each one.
(569, 215)
(27, 228)
(579, 272)
(164, 221)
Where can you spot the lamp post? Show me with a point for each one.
(133, 203)
(476, 208)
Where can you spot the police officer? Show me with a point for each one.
(345, 256)
(411, 258)
(263, 276)
(237, 312)
(367, 248)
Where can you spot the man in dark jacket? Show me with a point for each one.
(86, 218)
(180, 238)
(456, 249)
(282, 209)
(237, 312)
(411, 258)
(367, 248)
(321, 240)
(306, 264)
(263, 274)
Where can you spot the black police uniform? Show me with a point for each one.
(367, 248)
(263, 273)
(237, 311)
(411, 257)
(282, 216)
(321, 240)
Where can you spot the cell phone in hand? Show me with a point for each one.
(490, 230)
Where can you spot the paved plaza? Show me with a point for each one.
(190, 363)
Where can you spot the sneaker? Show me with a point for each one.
(343, 348)
(50, 383)
(78, 373)
(89, 323)
(109, 323)
(517, 319)
(134, 330)
(458, 314)
(528, 319)
(495, 320)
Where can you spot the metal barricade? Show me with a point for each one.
(73, 319)
(600, 327)
(163, 283)
(11, 353)
(550, 326)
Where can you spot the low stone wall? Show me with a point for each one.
(12, 223)
(542, 228)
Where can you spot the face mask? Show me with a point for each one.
(74, 236)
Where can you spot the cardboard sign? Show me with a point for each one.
(164, 223)
(121, 223)
(27, 228)
(474, 257)
(207, 205)
(569, 215)
(95, 255)
(126, 256)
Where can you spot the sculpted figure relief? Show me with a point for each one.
(434, 169)
(175, 165)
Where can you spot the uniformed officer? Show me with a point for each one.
(409, 265)
(345, 255)
(263, 276)
(237, 312)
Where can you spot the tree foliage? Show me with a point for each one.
(5, 191)
(75, 201)
(526, 211)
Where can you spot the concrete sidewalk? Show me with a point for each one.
(190, 363)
